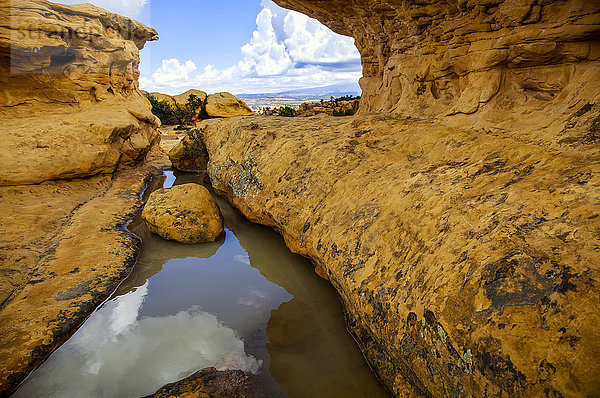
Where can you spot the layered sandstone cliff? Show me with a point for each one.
(69, 99)
(468, 263)
(501, 65)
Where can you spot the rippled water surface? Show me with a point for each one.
(245, 302)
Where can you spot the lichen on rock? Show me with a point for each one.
(184, 213)
(466, 262)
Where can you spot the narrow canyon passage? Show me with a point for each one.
(244, 302)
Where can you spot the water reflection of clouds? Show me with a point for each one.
(255, 298)
(242, 258)
(116, 354)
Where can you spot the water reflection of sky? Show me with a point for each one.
(244, 302)
(192, 314)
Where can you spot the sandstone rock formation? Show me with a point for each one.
(226, 105)
(70, 108)
(467, 262)
(182, 160)
(69, 99)
(161, 97)
(179, 100)
(336, 108)
(184, 213)
(500, 65)
(211, 383)
(182, 99)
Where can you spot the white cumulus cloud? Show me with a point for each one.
(128, 8)
(309, 42)
(287, 51)
(174, 71)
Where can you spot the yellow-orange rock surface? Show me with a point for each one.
(185, 213)
(501, 65)
(182, 99)
(226, 105)
(329, 108)
(70, 109)
(467, 262)
(69, 99)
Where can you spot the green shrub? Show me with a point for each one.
(286, 111)
(347, 112)
(170, 115)
(164, 111)
(191, 108)
(193, 143)
(347, 98)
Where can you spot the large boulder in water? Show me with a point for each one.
(226, 105)
(184, 213)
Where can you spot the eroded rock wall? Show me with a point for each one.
(506, 65)
(467, 263)
(69, 98)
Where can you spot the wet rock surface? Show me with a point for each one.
(184, 213)
(211, 383)
(467, 262)
(69, 104)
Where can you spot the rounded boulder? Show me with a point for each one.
(226, 105)
(184, 213)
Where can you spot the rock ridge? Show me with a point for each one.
(502, 65)
(69, 97)
(467, 263)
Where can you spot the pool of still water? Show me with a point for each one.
(244, 302)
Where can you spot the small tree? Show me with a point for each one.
(347, 112)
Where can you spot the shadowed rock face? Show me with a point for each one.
(492, 64)
(69, 102)
(211, 383)
(467, 262)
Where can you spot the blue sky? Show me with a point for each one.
(241, 46)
